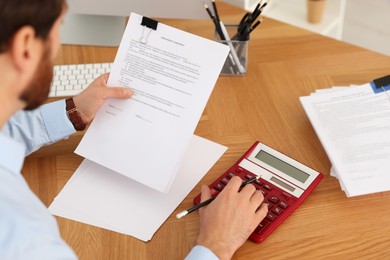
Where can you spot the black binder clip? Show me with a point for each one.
(149, 23)
(382, 84)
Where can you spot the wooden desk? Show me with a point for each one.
(285, 63)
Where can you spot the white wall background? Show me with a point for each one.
(367, 24)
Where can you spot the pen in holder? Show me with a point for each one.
(237, 59)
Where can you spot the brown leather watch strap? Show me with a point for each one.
(73, 115)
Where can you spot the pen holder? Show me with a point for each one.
(237, 59)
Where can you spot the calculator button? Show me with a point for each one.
(249, 176)
(286, 196)
(273, 199)
(258, 182)
(283, 204)
(270, 216)
(219, 186)
(277, 210)
(270, 206)
(263, 224)
(214, 192)
(266, 186)
(225, 180)
(230, 175)
(263, 191)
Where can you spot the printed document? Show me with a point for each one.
(353, 125)
(172, 74)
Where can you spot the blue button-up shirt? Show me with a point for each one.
(27, 229)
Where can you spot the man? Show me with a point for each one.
(29, 42)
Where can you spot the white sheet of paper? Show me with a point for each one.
(98, 196)
(172, 77)
(353, 126)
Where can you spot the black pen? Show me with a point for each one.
(221, 36)
(206, 202)
(215, 10)
(257, 23)
(216, 23)
(251, 18)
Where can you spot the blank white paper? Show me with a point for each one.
(98, 196)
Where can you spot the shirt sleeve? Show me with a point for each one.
(28, 230)
(201, 252)
(42, 126)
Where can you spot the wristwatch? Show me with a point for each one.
(73, 115)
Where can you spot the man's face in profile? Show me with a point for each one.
(38, 90)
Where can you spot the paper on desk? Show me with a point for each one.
(98, 196)
(172, 77)
(353, 125)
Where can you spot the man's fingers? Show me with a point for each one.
(248, 191)
(260, 214)
(257, 199)
(206, 193)
(234, 184)
(262, 211)
(118, 92)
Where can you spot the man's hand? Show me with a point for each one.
(92, 98)
(227, 222)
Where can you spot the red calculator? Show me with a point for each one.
(284, 182)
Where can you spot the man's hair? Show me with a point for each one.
(40, 14)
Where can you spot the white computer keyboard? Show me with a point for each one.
(69, 80)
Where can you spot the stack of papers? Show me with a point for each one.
(141, 158)
(353, 125)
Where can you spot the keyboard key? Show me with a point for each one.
(82, 81)
(67, 93)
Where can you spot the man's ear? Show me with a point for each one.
(25, 49)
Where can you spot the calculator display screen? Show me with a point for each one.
(282, 166)
(283, 184)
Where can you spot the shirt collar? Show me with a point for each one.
(12, 154)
